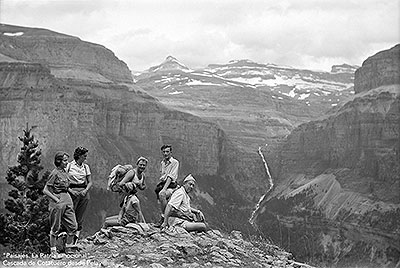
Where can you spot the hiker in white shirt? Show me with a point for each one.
(168, 179)
(80, 184)
(179, 212)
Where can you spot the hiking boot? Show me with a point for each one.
(61, 241)
(159, 223)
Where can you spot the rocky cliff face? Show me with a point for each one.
(117, 124)
(25, 74)
(66, 56)
(379, 70)
(336, 198)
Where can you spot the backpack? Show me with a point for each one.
(116, 175)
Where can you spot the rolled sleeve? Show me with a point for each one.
(176, 199)
(87, 168)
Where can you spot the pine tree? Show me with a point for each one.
(26, 227)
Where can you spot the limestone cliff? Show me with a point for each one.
(66, 56)
(336, 198)
(379, 70)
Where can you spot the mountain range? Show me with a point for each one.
(254, 103)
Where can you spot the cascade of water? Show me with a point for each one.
(270, 185)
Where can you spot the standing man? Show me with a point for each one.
(81, 182)
(169, 176)
(179, 212)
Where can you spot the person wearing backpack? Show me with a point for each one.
(133, 180)
(80, 184)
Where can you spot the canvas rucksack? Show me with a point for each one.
(116, 175)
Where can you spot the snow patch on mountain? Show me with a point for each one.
(201, 83)
(13, 34)
(175, 92)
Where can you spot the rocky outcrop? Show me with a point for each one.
(142, 245)
(66, 56)
(336, 197)
(381, 69)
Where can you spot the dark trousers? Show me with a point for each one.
(80, 205)
(62, 215)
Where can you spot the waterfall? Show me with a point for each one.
(270, 185)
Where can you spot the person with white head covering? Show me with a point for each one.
(131, 211)
(178, 211)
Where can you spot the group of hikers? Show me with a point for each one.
(68, 190)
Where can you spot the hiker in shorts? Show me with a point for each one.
(130, 212)
(62, 214)
(169, 175)
(81, 182)
(179, 212)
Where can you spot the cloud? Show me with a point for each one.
(305, 34)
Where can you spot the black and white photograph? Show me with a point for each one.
(200, 133)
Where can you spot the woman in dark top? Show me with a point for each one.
(62, 214)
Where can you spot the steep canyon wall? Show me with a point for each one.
(381, 69)
(337, 198)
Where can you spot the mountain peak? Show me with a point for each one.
(170, 58)
(170, 63)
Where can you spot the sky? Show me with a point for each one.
(307, 34)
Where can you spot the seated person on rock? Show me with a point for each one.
(130, 206)
(178, 211)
